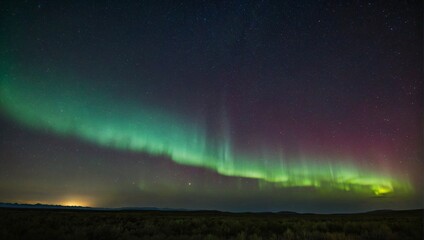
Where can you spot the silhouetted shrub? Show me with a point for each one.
(51, 224)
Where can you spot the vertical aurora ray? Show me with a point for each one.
(92, 113)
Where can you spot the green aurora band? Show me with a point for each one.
(92, 113)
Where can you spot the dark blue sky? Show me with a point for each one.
(259, 83)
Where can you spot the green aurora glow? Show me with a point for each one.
(91, 113)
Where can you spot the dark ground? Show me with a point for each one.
(86, 224)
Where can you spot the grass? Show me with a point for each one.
(73, 224)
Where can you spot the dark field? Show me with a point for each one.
(72, 224)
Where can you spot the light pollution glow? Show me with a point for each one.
(68, 108)
(71, 201)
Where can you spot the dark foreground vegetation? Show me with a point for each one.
(83, 224)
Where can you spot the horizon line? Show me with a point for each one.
(168, 209)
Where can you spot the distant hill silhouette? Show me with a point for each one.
(39, 205)
(51, 206)
(61, 207)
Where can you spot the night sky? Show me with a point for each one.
(308, 106)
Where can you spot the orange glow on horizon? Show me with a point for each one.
(73, 200)
(69, 201)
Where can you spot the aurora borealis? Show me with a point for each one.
(156, 133)
(208, 105)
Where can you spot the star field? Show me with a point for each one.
(239, 105)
